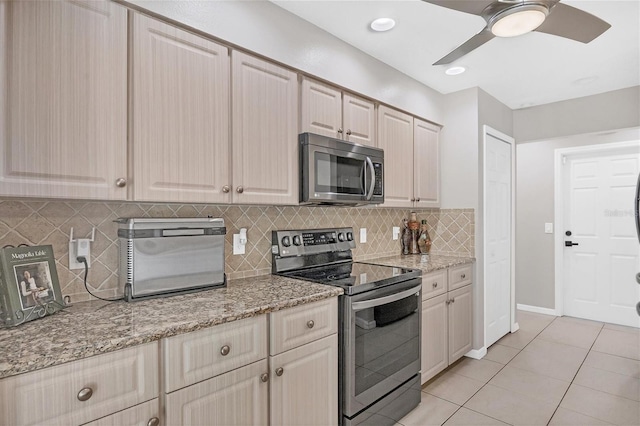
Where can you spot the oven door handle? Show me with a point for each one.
(366, 304)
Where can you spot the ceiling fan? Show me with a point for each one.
(510, 18)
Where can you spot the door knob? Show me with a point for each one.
(568, 233)
(638, 308)
(638, 278)
(569, 244)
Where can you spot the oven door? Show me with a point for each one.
(381, 343)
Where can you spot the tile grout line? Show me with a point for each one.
(575, 375)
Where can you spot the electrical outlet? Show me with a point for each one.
(237, 247)
(363, 235)
(395, 232)
(80, 247)
(548, 228)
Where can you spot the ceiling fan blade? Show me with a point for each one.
(473, 43)
(474, 7)
(575, 24)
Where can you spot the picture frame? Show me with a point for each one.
(29, 286)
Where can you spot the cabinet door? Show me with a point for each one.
(180, 115)
(140, 415)
(63, 99)
(239, 397)
(321, 109)
(460, 322)
(359, 120)
(306, 391)
(265, 136)
(434, 337)
(395, 137)
(426, 168)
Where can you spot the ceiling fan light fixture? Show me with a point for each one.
(383, 24)
(518, 20)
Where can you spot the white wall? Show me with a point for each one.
(266, 29)
(619, 109)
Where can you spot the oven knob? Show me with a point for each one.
(296, 240)
(286, 241)
(340, 237)
(349, 236)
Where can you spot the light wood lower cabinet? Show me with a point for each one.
(304, 384)
(81, 391)
(239, 397)
(145, 414)
(447, 320)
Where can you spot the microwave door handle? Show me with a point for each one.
(363, 178)
(366, 304)
(372, 185)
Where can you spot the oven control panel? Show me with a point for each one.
(311, 241)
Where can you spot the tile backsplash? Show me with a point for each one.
(36, 222)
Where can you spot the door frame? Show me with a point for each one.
(561, 154)
(489, 131)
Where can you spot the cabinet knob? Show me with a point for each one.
(413, 199)
(153, 421)
(121, 182)
(435, 284)
(264, 377)
(310, 323)
(85, 394)
(417, 199)
(348, 132)
(448, 301)
(340, 130)
(239, 190)
(224, 351)
(279, 371)
(226, 189)
(463, 276)
(453, 300)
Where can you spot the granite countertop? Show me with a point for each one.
(92, 328)
(434, 262)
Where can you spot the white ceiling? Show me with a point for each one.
(524, 71)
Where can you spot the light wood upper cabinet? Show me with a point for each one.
(395, 137)
(264, 132)
(326, 110)
(304, 384)
(180, 115)
(63, 99)
(426, 166)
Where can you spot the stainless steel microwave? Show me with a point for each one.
(336, 172)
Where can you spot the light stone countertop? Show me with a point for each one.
(92, 328)
(434, 262)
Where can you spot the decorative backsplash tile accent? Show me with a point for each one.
(37, 222)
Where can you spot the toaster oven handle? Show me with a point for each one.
(366, 304)
(372, 185)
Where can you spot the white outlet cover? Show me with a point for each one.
(363, 235)
(395, 231)
(548, 228)
(237, 247)
(73, 263)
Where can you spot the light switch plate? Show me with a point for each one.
(363, 235)
(548, 228)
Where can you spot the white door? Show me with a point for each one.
(498, 226)
(599, 271)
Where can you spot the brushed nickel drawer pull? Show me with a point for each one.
(279, 371)
(310, 323)
(85, 394)
(264, 377)
(153, 421)
(224, 351)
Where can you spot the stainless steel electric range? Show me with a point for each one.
(379, 317)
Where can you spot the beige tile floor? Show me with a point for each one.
(553, 371)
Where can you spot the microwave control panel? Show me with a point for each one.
(377, 189)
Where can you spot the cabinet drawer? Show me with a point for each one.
(294, 327)
(193, 357)
(116, 380)
(140, 415)
(434, 284)
(460, 276)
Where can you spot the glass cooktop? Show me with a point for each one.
(355, 277)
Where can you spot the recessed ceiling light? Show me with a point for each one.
(383, 24)
(455, 70)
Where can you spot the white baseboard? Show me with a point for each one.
(537, 309)
(477, 353)
(515, 327)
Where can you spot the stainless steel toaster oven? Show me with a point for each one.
(160, 257)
